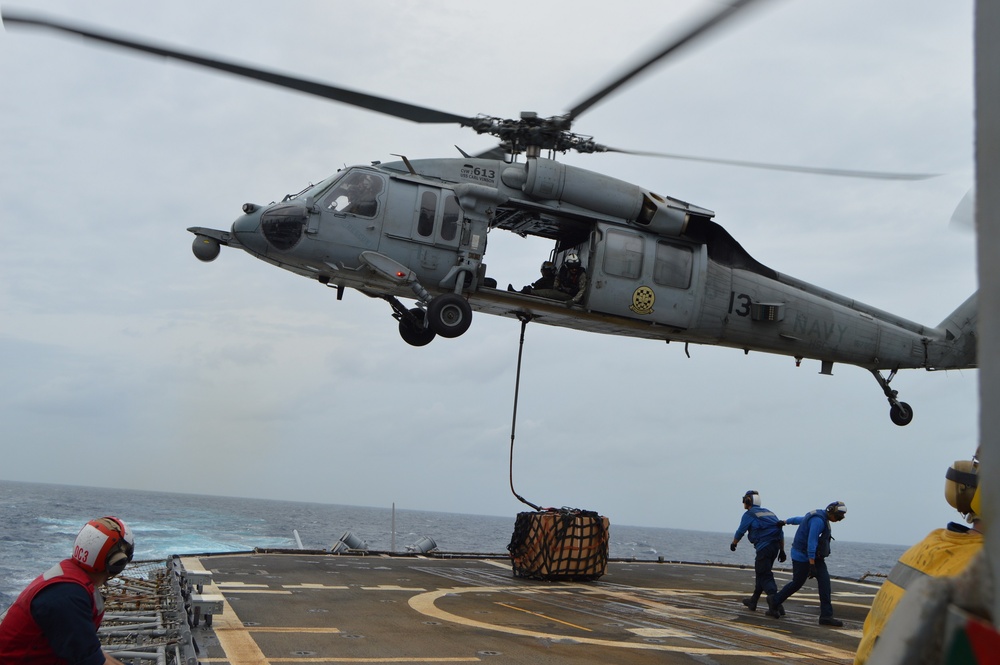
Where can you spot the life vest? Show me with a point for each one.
(800, 543)
(21, 639)
(568, 280)
(943, 553)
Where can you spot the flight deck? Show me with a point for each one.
(315, 607)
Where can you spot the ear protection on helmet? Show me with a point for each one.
(836, 508)
(104, 545)
(961, 483)
(751, 498)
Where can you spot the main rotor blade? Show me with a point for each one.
(363, 100)
(845, 173)
(675, 43)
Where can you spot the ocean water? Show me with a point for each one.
(39, 522)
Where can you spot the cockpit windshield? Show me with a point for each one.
(357, 194)
(313, 190)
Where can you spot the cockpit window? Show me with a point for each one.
(282, 225)
(452, 214)
(357, 194)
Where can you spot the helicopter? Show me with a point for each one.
(657, 267)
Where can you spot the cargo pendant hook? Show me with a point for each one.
(513, 423)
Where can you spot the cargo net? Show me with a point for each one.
(566, 544)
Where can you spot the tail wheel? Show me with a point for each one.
(449, 314)
(900, 413)
(415, 335)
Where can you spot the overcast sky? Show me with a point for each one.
(126, 362)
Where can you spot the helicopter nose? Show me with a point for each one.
(246, 229)
(247, 224)
(278, 227)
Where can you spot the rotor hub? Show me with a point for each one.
(533, 133)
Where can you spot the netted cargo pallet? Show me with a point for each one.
(560, 545)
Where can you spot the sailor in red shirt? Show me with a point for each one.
(55, 619)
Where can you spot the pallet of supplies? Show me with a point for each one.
(565, 544)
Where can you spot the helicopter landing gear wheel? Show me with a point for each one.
(450, 315)
(415, 334)
(900, 413)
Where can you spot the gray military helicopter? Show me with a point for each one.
(655, 267)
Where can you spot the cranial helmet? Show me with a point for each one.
(548, 265)
(960, 485)
(572, 260)
(751, 498)
(836, 508)
(104, 545)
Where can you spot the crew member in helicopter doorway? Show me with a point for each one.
(570, 283)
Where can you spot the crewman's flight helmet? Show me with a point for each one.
(751, 498)
(960, 485)
(572, 260)
(836, 511)
(104, 545)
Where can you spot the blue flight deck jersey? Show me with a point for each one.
(762, 525)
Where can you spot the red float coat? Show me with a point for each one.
(21, 639)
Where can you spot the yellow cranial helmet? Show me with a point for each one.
(961, 485)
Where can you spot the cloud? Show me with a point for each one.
(258, 382)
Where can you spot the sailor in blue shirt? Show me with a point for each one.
(763, 530)
(810, 547)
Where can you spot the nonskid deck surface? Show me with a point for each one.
(312, 608)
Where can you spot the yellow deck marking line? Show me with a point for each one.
(660, 632)
(396, 659)
(236, 642)
(565, 623)
(239, 585)
(425, 604)
(499, 564)
(285, 629)
(241, 649)
(310, 585)
(392, 587)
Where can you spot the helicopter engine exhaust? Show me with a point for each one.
(205, 249)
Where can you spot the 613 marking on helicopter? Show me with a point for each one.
(656, 267)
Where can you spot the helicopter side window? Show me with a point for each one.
(623, 255)
(672, 266)
(452, 212)
(428, 208)
(356, 194)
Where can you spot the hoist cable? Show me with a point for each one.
(513, 423)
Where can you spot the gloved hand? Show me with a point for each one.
(781, 524)
(812, 571)
(781, 557)
(732, 547)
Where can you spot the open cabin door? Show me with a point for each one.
(644, 277)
